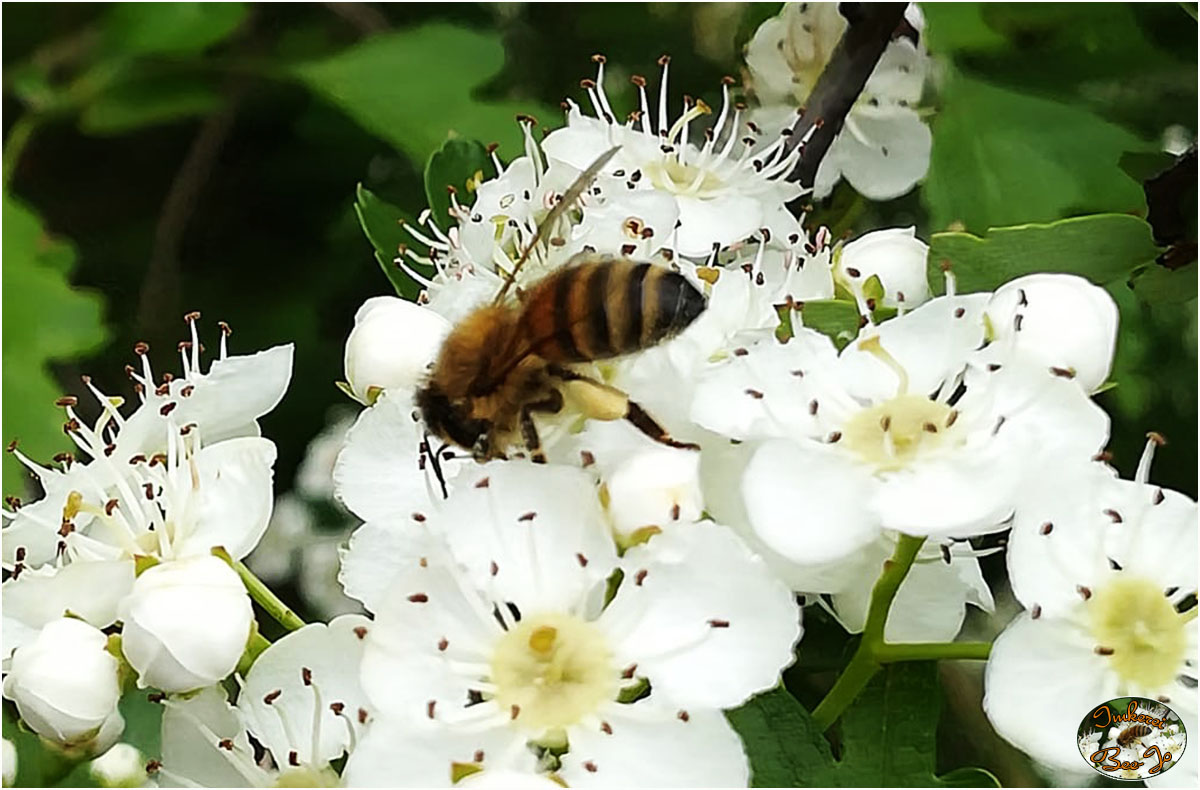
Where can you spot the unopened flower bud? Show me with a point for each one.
(121, 766)
(64, 682)
(9, 763)
(654, 488)
(186, 623)
(392, 343)
(896, 256)
(1059, 320)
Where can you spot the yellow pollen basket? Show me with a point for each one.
(891, 434)
(1132, 617)
(552, 670)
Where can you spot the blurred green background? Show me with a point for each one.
(166, 158)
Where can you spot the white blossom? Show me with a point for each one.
(186, 623)
(1101, 566)
(1058, 320)
(901, 431)
(301, 701)
(723, 191)
(883, 149)
(9, 761)
(64, 683)
(896, 256)
(121, 766)
(392, 343)
(518, 586)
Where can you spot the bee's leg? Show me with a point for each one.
(551, 404)
(529, 432)
(612, 404)
(647, 425)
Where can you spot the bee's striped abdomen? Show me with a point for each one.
(1128, 735)
(595, 310)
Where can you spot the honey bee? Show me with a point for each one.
(1132, 733)
(510, 359)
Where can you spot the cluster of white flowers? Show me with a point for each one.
(883, 149)
(124, 535)
(587, 621)
(963, 416)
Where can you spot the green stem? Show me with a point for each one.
(873, 651)
(933, 651)
(254, 648)
(261, 594)
(865, 663)
(18, 138)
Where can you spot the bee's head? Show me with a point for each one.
(449, 420)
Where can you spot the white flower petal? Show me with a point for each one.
(423, 754)
(1031, 659)
(1065, 322)
(427, 622)
(391, 345)
(884, 155)
(696, 748)
(1053, 548)
(235, 496)
(332, 655)
(720, 220)
(655, 487)
(378, 552)
(702, 618)
(930, 605)
(88, 590)
(186, 623)
(377, 475)
(224, 402)
(963, 494)
(531, 534)
(932, 343)
(192, 726)
(64, 682)
(766, 390)
(896, 256)
(808, 502)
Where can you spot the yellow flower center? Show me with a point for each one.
(891, 434)
(675, 177)
(308, 776)
(551, 670)
(1131, 617)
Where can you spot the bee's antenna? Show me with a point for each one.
(568, 199)
(437, 465)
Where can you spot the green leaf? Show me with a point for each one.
(1101, 247)
(1001, 157)
(955, 26)
(389, 86)
(453, 165)
(144, 99)
(45, 320)
(383, 225)
(170, 28)
(889, 735)
(838, 318)
(1158, 284)
(1144, 165)
(783, 744)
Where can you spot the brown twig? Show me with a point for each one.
(365, 18)
(159, 302)
(871, 27)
